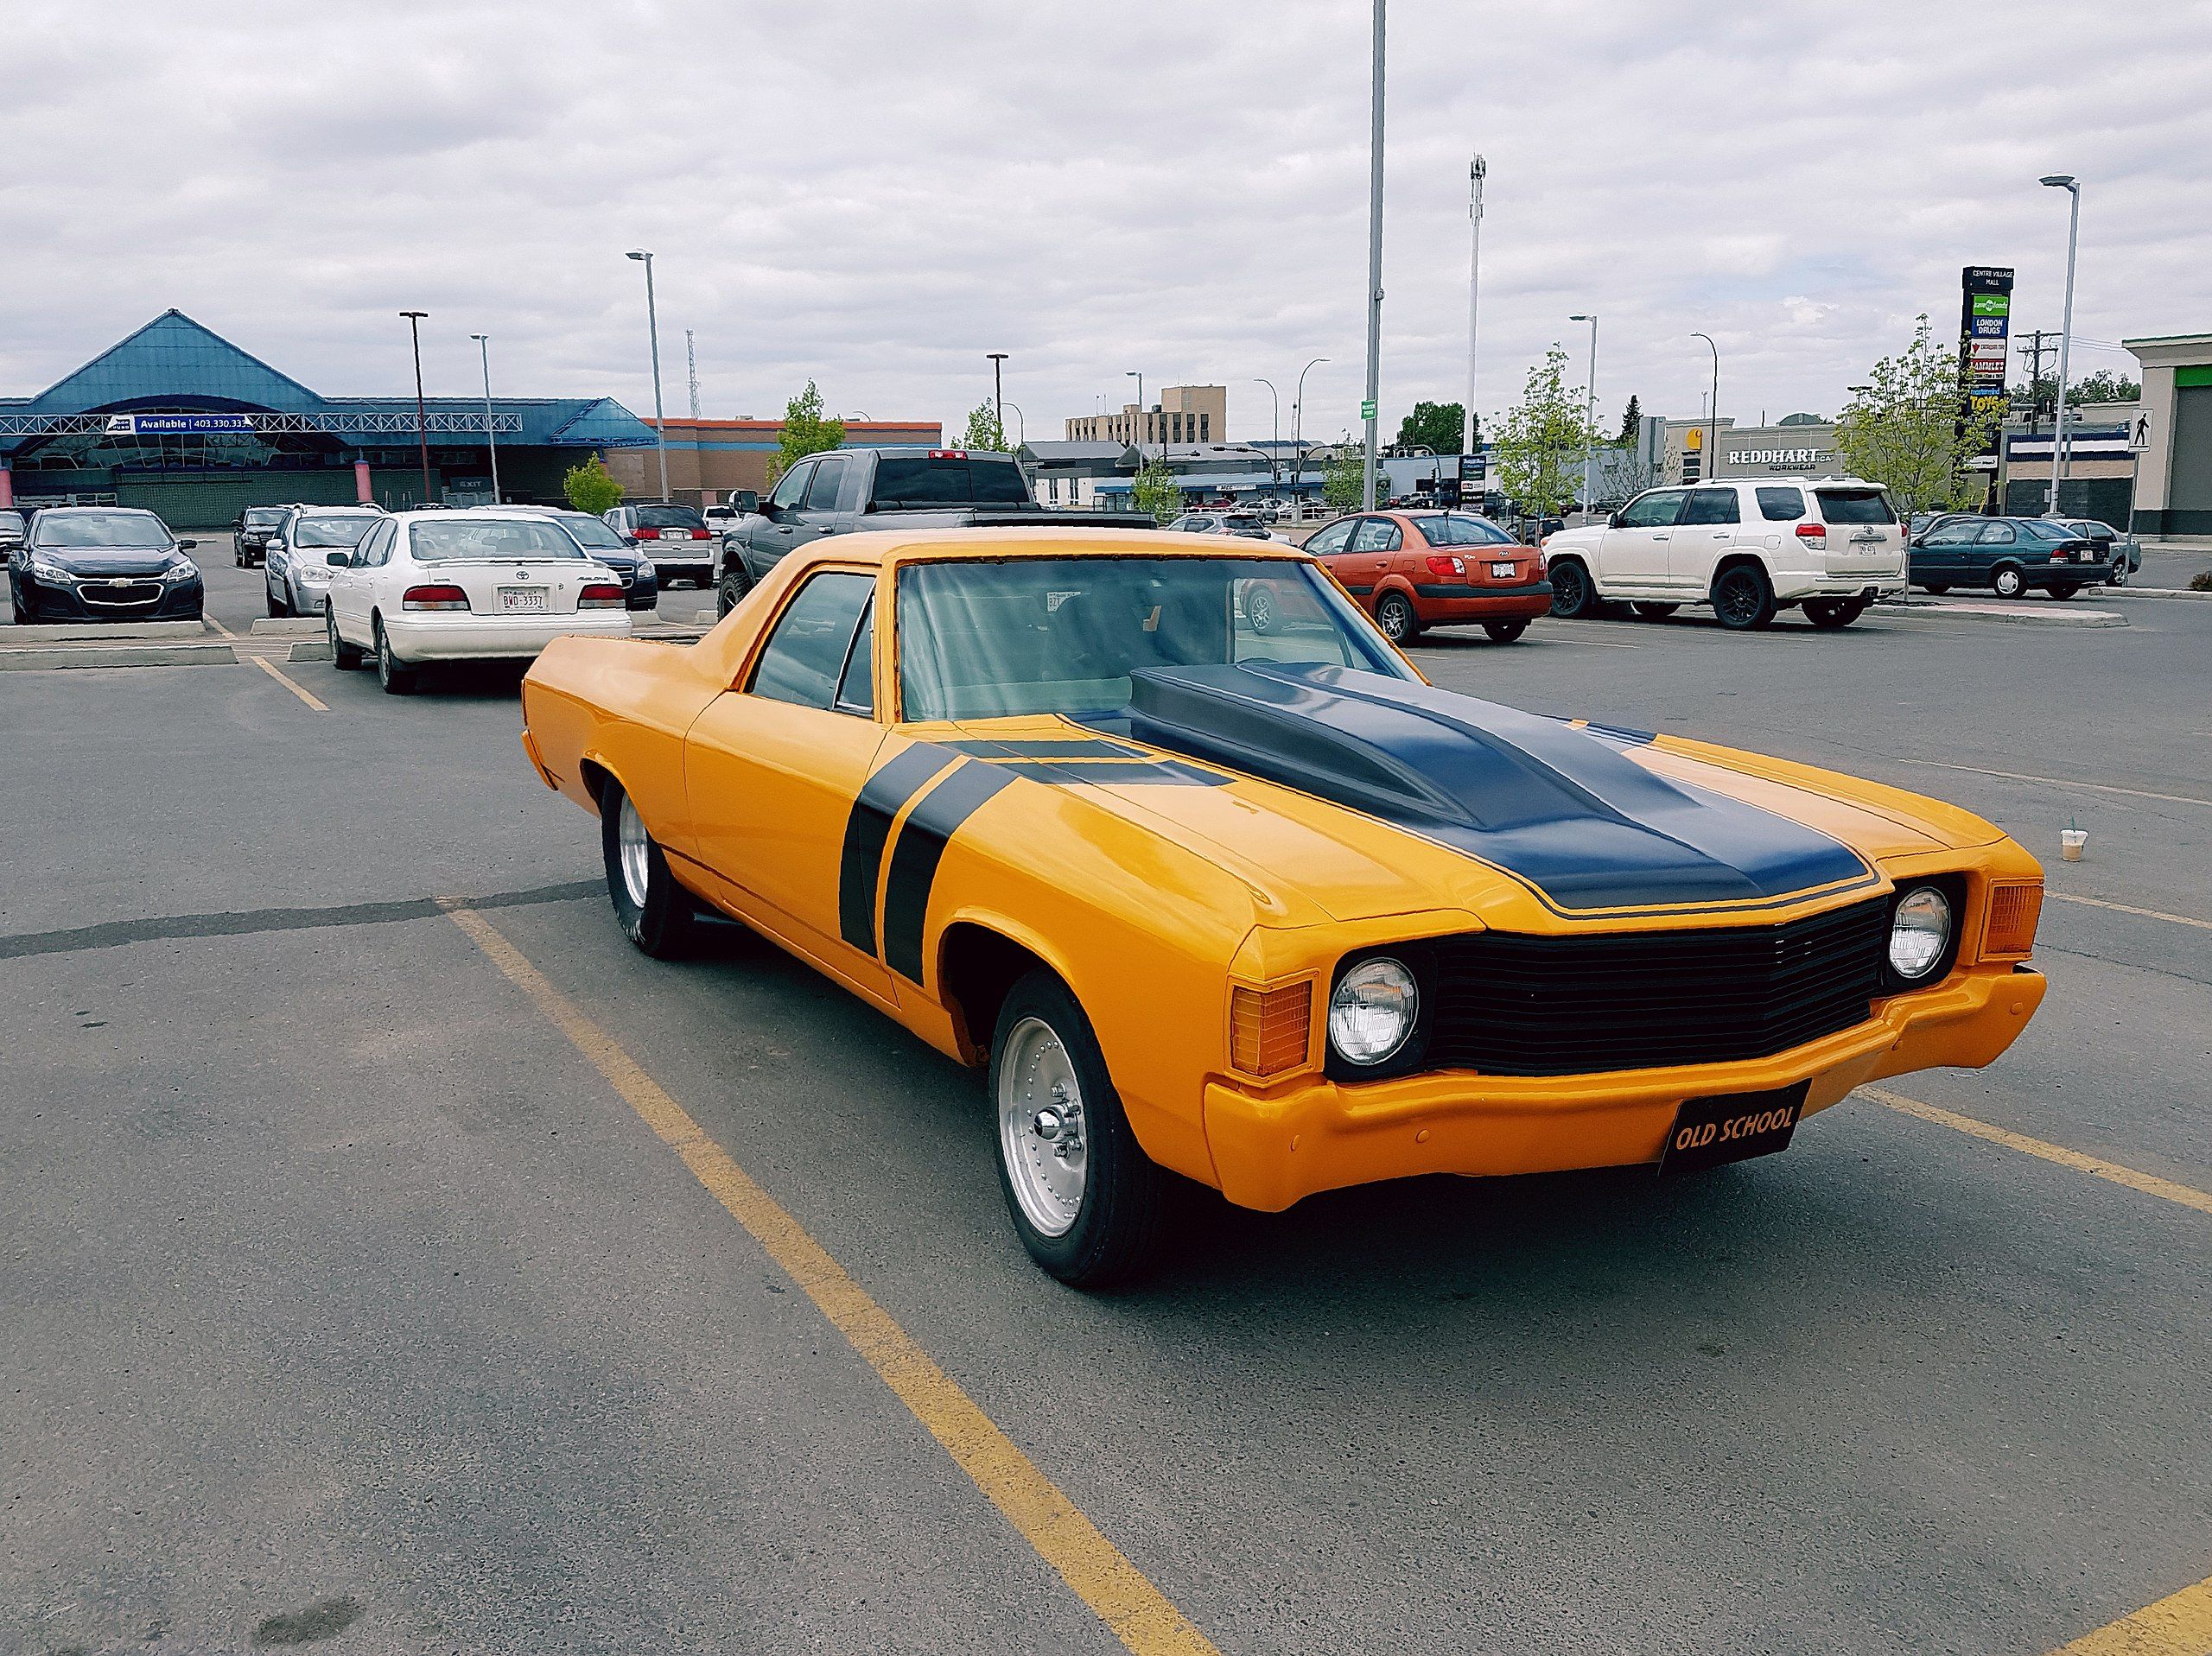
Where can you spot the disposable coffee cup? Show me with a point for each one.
(2070, 841)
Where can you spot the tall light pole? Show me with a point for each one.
(1274, 457)
(652, 327)
(1478, 170)
(484, 348)
(421, 420)
(1298, 425)
(1713, 412)
(2072, 185)
(1589, 413)
(1373, 263)
(1138, 376)
(1022, 439)
(998, 391)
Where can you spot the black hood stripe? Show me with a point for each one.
(1567, 812)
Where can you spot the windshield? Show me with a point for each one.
(333, 531)
(1062, 635)
(594, 533)
(490, 537)
(2041, 531)
(934, 480)
(265, 516)
(136, 530)
(1855, 506)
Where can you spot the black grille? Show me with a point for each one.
(1509, 1005)
(138, 591)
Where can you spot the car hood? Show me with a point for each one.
(1357, 794)
(104, 561)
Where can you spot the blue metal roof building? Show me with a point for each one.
(176, 418)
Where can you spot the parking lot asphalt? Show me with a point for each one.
(346, 1297)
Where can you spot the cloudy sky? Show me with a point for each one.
(875, 192)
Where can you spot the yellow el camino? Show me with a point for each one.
(1166, 834)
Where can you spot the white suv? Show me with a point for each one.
(1747, 546)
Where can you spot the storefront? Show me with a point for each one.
(2172, 435)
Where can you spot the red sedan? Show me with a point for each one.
(1415, 569)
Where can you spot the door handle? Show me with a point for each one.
(1662, 537)
(783, 528)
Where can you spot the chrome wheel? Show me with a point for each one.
(1041, 1127)
(637, 851)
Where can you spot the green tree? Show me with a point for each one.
(1158, 490)
(2103, 386)
(806, 431)
(1542, 439)
(984, 431)
(1632, 418)
(1432, 426)
(1344, 485)
(1905, 430)
(590, 487)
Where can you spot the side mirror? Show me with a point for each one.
(339, 560)
(1612, 520)
(744, 500)
(186, 546)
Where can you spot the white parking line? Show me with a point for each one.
(2061, 782)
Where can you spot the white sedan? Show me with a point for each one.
(464, 586)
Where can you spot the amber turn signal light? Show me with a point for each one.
(2014, 908)
(1269, 1029)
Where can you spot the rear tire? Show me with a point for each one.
(2119, 576)
(654, 912)
(1743, 598)
(1394, 614)
(1505, 631)
(1572, 594)
(395, 676)
(731, 589)
(1830, 613)
(1096, 1218)
(1260, 606)
(344, 657)
(2064, 590)
(1939, 587)
(276, 607)
(1655, 611)
(2006, 582)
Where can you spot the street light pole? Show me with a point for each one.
(1478, 170)
(998, 391)
(2072, 185)
(1136, 435)
(1021, 437)
(1298, 426)
(421, 420)
(1713, 412)
(1590, 411)
(652, 327)
(1274, 455)
(1374, 261)
(491, 442)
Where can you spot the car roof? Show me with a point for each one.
(989, 545)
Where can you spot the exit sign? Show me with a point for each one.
(1367, 408)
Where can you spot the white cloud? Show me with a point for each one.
(875, 194)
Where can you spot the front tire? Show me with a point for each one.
(1394, 614)
(1655, 611)
(1572, 594)
(1743, 598)
(1505, 631)
(395, 676)
(731, 589)
(654, 912)
(344, 657)
(1830, 613)
(1090, 1206)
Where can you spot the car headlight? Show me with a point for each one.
(1372, 1012)
(46, 571)
(182, 569)
(314, 569)
(1920, 931)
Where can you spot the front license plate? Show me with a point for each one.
(523, 600)
(1501, 571)
(1709, 1132)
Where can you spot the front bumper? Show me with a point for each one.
(98, 600)
(1273, 1147)
(421, 636)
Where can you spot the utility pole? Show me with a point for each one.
(2033, 349)
(2072, 185)
(691, 372)
(491, 442)
(652, 327)
(1374, 265)
(998, 389)
(1477, 169)
(421, 420)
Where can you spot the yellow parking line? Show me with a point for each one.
(2061, 782)
(1133, 1609)
(285, 679)
(2122, 908)
(2148, 1183)
(2179, 1625)
(219, 626)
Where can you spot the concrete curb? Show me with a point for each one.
(286, 626)
(43, 632)
(310, 650)
(2021, 615)
(39, 657)
(2156, 591)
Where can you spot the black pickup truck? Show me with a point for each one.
(849, 490)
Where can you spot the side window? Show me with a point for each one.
(829, 479)
(1998, 535)
(791, 488)
(1376, 534)
(856, 689)
(1654, 511)
(374, 545)
(1331, 540)
(1952, 535)
(805, 654)
(1782, 505)
(1712, 506)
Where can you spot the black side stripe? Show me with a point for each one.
(921, 845)
(1096, 747)
(867, 829)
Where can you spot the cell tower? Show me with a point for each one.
(691, 370)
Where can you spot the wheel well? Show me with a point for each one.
(976, 969)
(595, 777)
(1738, 560)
